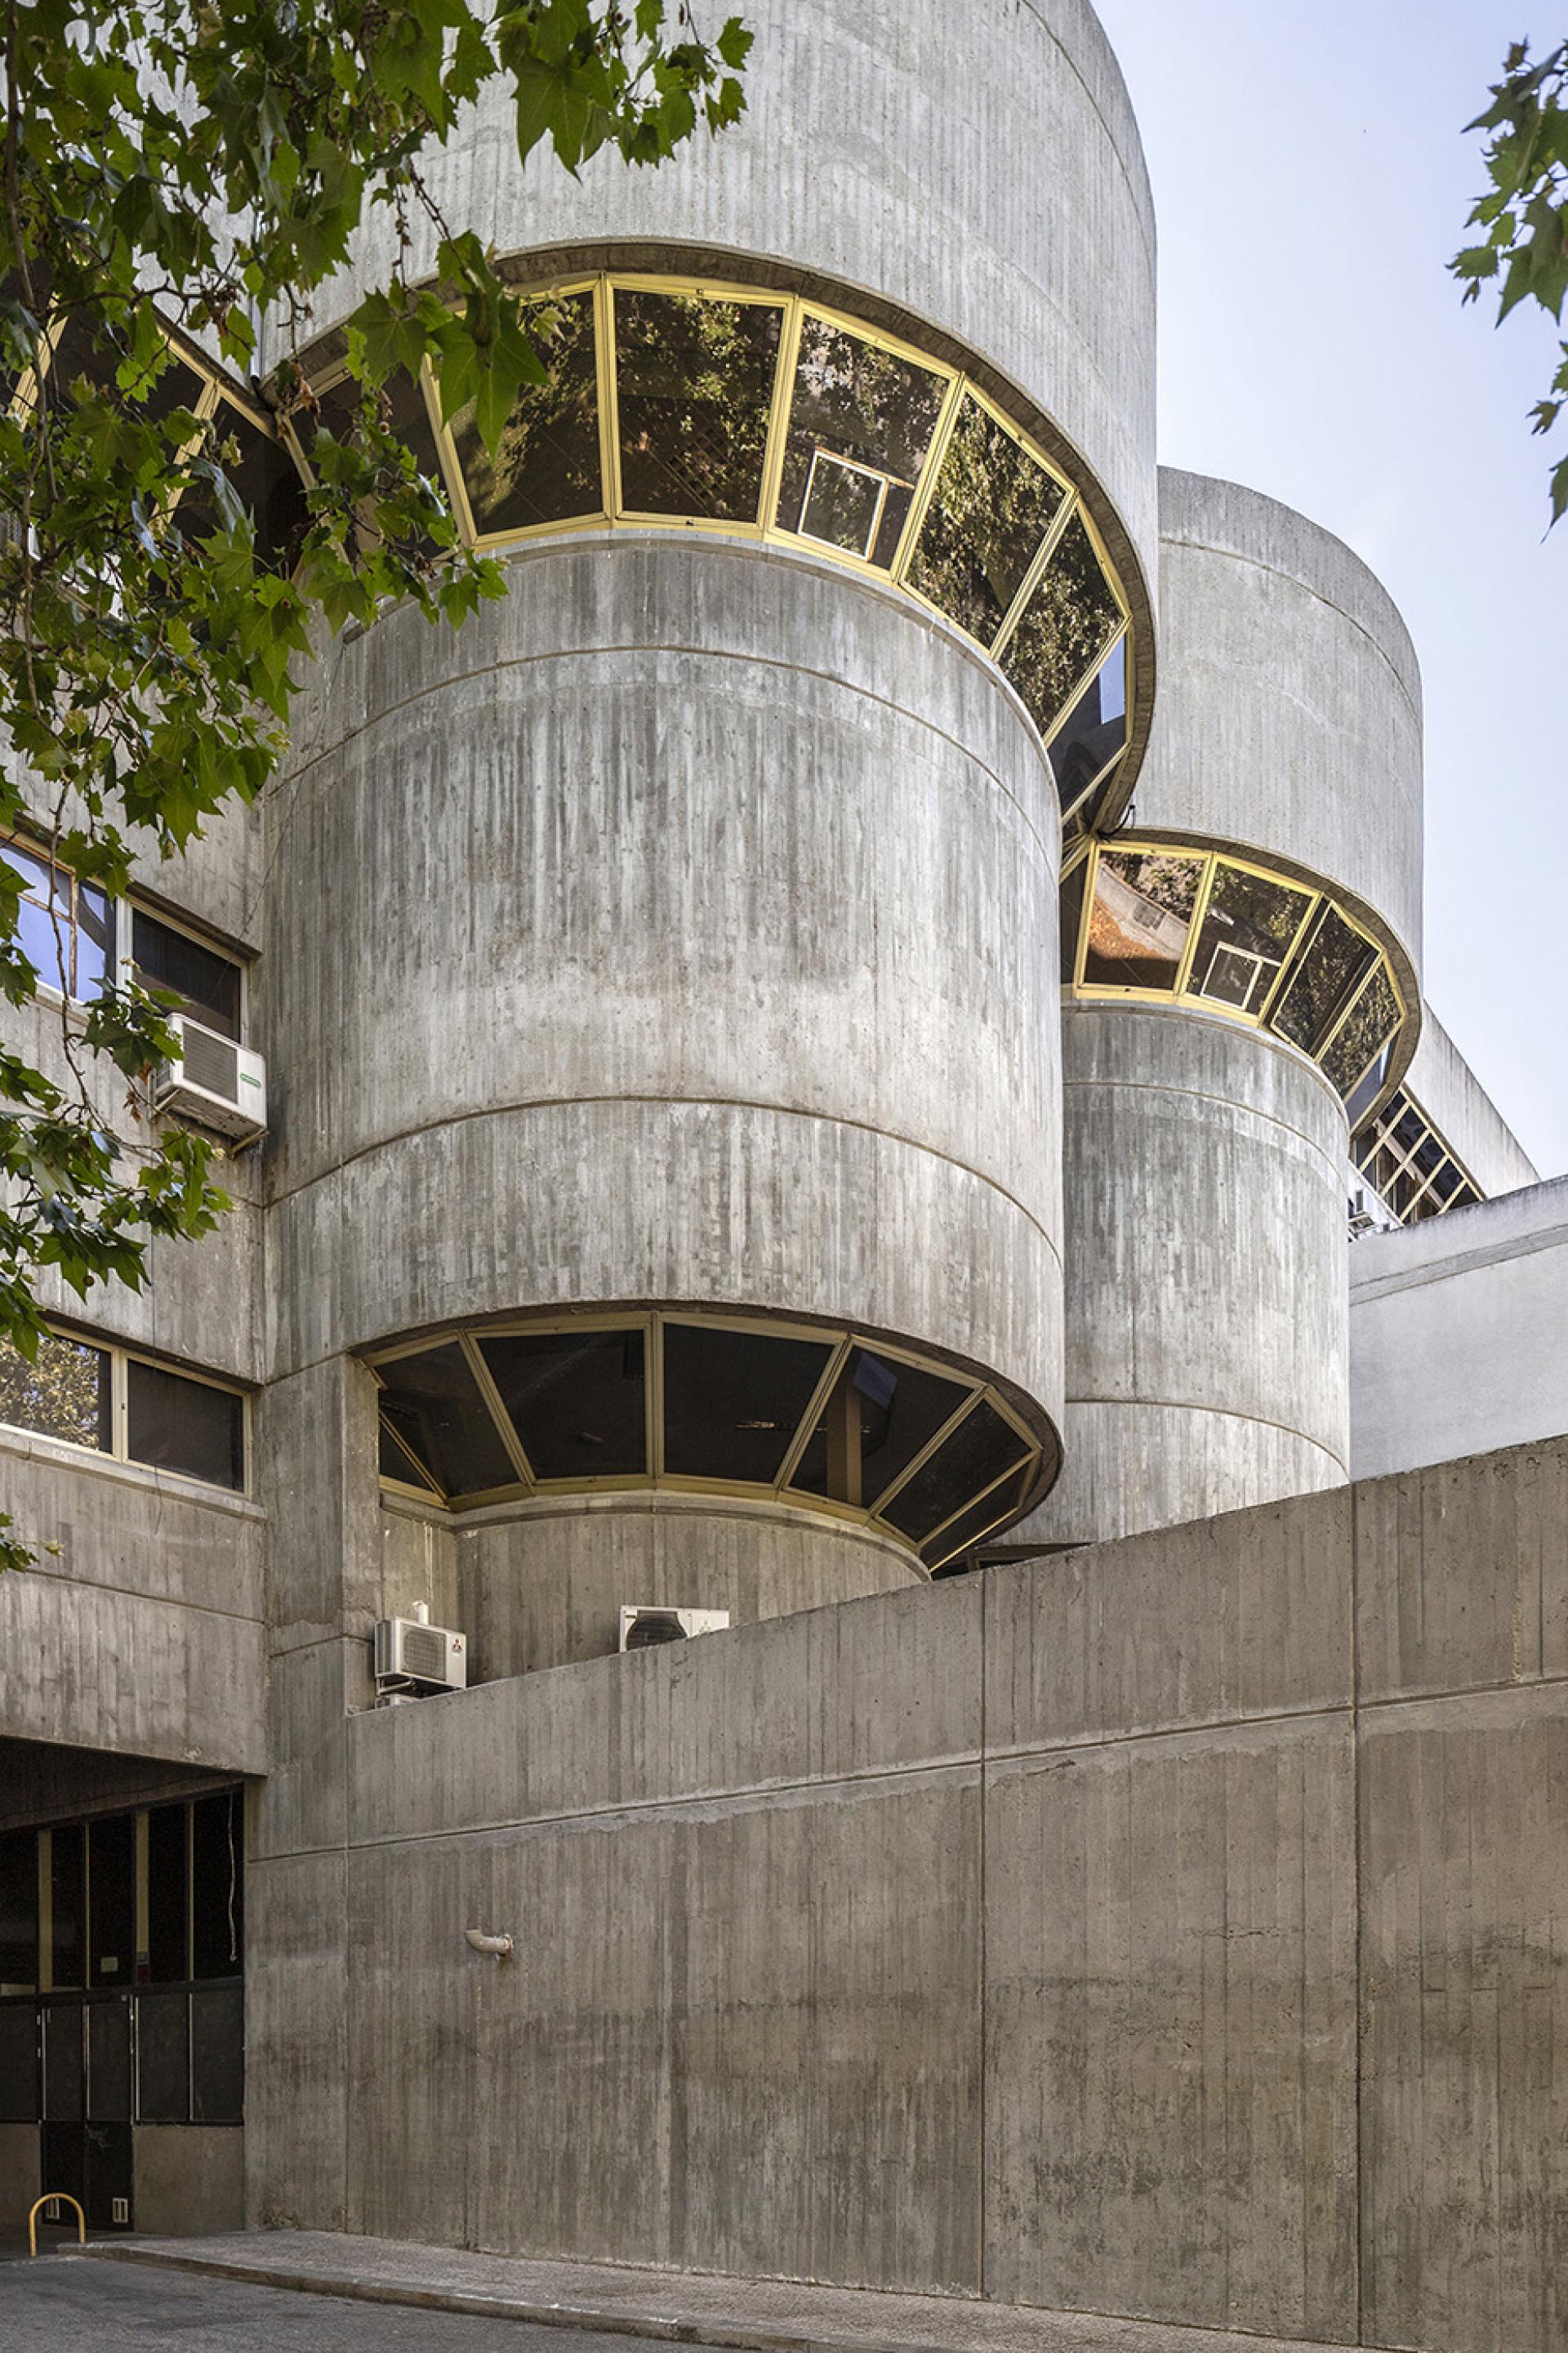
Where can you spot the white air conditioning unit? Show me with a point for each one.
(407, 1650)
(213, 1082)
(642, 1628)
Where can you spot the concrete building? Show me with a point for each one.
(849, 1055)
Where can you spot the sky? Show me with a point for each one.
(1310, 180)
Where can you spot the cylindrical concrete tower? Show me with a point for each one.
(665, 1005)
(1240, 962)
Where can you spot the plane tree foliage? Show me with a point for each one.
(1524, 213)
(187, 168)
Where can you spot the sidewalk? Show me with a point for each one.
(684, 2307)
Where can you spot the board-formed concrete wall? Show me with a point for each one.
(1457, 1330)
(1174, 1928)
(1469, 1123)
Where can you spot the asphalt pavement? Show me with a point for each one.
(61, 2305)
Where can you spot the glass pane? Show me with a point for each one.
(733, 1400)
(162, 2059)
(985, 523)
(396, 1460)
(63, 1393)
(337, 413)
(168, 1883)
(68, 1905)
(860, 424)
(94, 941)
(1366, 1030)
(1143, 911)
(979, 1521)
(112, 1883)
(983, 1445)
(1334, 960)
(65, 2061)
(182, 1425)
(217, 1885)
(266, 483)
(577, 1400)
(1445, 1183)
(1064, 628)
(109, 2061)
(206, 984)
(694, 384)
(1248, 928)
(1072, 920)
(878, 1417)
(1365, 1092)
(546, 469)
(218, 2055)
(1094, 730)
(1464, 1198)
(19, 1911)
(19, 2064)
(434, 1401)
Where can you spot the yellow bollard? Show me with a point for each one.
(44, 2201)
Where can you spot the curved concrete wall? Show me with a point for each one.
(1289, 713)
(1206, 1290)
(976, 169)
(683, 930)
(542, 1584)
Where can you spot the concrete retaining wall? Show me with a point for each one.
(1176, 1929)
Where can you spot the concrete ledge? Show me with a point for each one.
(673, 2307)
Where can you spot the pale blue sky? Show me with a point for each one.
(1310, 180)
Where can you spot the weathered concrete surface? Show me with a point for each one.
(40, 1781)
(1205, 1274)
(543, 1583)
(1023, 1937)
(190, 2178)
(1454, 1099)
(1456, 1332)
(704, 902)
(977, 176)
(142, 1634)
(1289, 713)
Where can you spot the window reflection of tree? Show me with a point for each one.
(859, 402)
(546, 469)
(694, 389)
(988, 514)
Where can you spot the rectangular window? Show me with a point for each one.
(206, 984)
(65, 928)
(1138, 925)
(19, 1911)
(183, 1425)
(111, 1887)
(168, 1894)
(68, 1905)
(63, 1393)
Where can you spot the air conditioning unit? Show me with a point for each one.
(644, 1626)
(408, 1651)
(213, 1082)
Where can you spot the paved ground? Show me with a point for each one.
(752, 2315)
(61, 2304)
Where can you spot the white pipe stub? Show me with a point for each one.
(502, 1947)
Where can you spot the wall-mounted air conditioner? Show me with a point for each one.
(642, 1627)
(213, 1082)
(408, 1651)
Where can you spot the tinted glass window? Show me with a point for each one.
(206, 984)
(162, 2059)
(577, 1400)
(435, 1403)
(217, 1885)
(1334, 960)
(880, 1415)
(969, 1527)
(546, 469)
(182, 1425)
(1072, 920)
(1142, 912)
(168, 1880)
(1094, 730)
(63, 1393)
(1063, 630)
(19, 2064)
(218, 2055)
(65, 2062)
(266, 483)
(860, 426)
(109, 2061)
(1366, 1028)
(19, 1911)
(1248, 928)
(983, 1446)
(398, 1431)
(985, 523)
(694, 383)
(64, 928)
(67, 1891)
(111, 1882)
(733, 1400)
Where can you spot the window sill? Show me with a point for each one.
(32, 1445)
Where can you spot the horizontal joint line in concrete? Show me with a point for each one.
(1293, 580)
(1440, 1269)
(1224, 1413)
(1048, 849)
(62, 1580)
(1228, 1102)
(1198, 1727)
(147, 1478)
(681, 1103)
(1514, 1687)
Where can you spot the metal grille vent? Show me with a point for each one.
(210, 1061)
(424, 1654)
